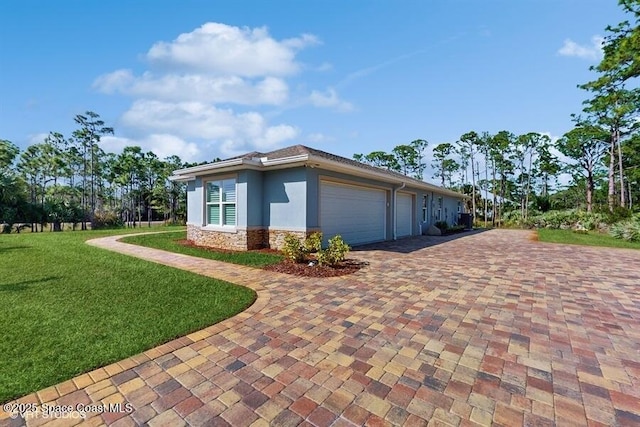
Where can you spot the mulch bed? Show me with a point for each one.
(286, 266)
(348, 266)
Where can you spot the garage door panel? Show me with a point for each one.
(358, 214)
(404, 214)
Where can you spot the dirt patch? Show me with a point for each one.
(348, 266)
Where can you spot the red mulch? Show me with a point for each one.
(286, 266)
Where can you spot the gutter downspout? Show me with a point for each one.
(395, 210)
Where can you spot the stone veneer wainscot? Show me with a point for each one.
(241, 240)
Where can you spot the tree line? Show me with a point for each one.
(508, 172)
(73, 180)
(507, 169)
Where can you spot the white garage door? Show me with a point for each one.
(358, 214)
(405, 218)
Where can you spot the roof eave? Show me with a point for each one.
(182, 178)
(217, 166)
(310, 160)
(382, 176)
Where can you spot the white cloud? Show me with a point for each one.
(162, 145)
(325, 66)
(195, 87)
(181, 102)
(114, 82)
(329, 99)
(318, 137)
(194, 120)
(37, 138)
(591, 52)
(227, 50)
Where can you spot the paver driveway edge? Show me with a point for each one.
(489, 329)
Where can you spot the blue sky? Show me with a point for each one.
(205, 79)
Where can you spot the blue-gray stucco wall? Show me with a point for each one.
(284, 204)
(194, 202)
(253, 197)
(288, 199)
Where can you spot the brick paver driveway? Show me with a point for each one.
(489, 328)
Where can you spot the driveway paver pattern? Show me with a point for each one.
(489, 328)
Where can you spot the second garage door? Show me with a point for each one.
(405, 218)
(358, 214)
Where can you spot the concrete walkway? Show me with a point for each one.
(489, 328)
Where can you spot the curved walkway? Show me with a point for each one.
(489, 328)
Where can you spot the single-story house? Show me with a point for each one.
(252, 201)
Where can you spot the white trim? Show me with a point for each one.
(296, 229)
(286, 160)
(220, 228)
(395, 210)
(183, 178)
(205, 204)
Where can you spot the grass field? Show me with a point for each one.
(591, 239)
(168, 242)
(68, 307)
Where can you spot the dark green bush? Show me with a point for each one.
(106, 220)
(442, 225)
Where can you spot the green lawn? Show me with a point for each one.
(593, 238)
(67, 307)
(168, 242)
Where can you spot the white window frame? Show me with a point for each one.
(224, 221)
(425, 205)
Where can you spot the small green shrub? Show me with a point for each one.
(455, 228)
(298, 251)
(313, 243)
(335, 253)
(293, 248)
(442, 225)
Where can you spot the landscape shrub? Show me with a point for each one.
(568, 219)
(626, 230)
(298, 250)
(293, 248)
(313, 243)
(106, 220)
(335, 253)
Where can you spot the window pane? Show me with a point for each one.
(213, 191)
(229, 190)
(229, 214)
(213, 214)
